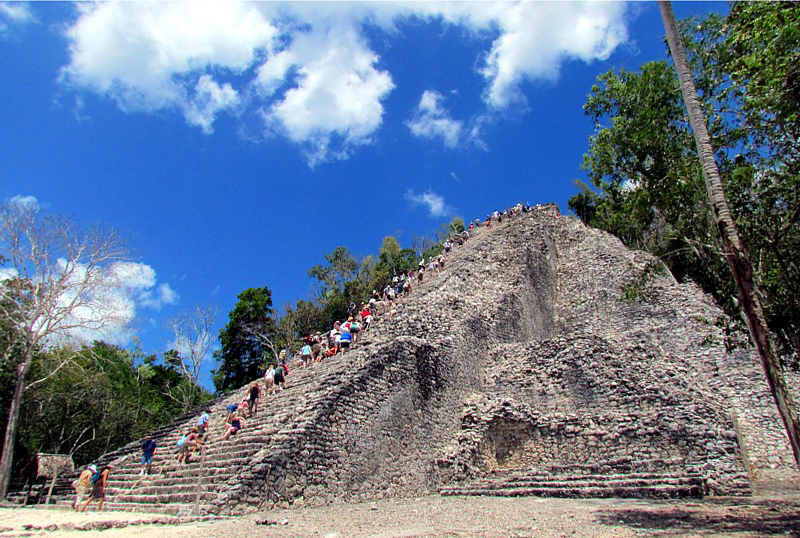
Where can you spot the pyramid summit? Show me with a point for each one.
(546, 359)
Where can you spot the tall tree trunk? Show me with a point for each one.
(13, 418)
(735, 252)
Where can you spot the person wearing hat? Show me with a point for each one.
(148, 449)
(98, 488)
(82, 484)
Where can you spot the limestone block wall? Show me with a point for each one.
(374, 428)
(525, 353)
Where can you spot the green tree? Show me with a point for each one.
(341, 268)
(61, 274)
(246, 340)
(96, 401)
(735, 251)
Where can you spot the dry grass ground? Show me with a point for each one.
(436, 516)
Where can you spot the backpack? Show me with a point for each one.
(96, 476)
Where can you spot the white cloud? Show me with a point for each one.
(16, 11)
(308, 69)
(8, 272)
(209, 99)
(531, 39)
(14, 14)
(114, 304)
(156, 299)
(27, 202)
(152, 55)
(336, 102)
(537, 37)
(433, 202)
(431, 120)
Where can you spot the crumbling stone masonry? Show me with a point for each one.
(532, 365)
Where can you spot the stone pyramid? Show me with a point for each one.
(546, 359)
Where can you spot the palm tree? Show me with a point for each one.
(735, 252)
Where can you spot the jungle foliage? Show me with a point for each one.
(88, 401)
(646, 182)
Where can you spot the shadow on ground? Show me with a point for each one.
(775, 517)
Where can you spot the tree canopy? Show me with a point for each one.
(646, 179)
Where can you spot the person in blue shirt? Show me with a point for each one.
(148, 450)
(345, 341)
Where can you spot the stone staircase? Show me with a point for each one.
(623, 478)
(517, 371)
(527, 482)
(174, 488)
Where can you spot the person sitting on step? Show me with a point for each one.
(233, 426)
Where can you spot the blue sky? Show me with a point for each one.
(237, 143)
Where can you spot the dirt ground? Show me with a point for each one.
(436, 516)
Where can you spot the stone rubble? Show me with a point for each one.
(520, 370)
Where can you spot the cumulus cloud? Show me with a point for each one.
(152, 55)
(433, 202)
(335, 104)
(107, 309)
(309, 70)
(431, 120)
(535, 38)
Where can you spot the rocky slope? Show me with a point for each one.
(546, 359)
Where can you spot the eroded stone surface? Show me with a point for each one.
(520, 368)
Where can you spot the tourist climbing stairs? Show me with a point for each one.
(184, 489)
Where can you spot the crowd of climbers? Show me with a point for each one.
(312, 349)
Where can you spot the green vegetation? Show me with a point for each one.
(255, 334)
(95, 399)
(636, 288)
(647, 185)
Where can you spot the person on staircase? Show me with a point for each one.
(192, 441)
(203, 421)
(148, 450)
(99, 481)
(236, 423)
(255, 394)
(82, 485)
(279, 376)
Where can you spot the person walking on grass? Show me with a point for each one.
(82, 486)
(99, 481)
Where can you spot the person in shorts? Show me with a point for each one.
(203, 421)
(82, 486)
(269, 380)
(148, 450)
(234, 425)
(255, 393)
(98, 488)
(279, 377)
(191, 441)
(345, 340)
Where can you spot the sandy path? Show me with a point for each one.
(450, 517)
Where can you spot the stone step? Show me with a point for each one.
(176, 509)
(162, 498)
(586, 482)
(150, 489)
(539, 476)
(643, 492)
